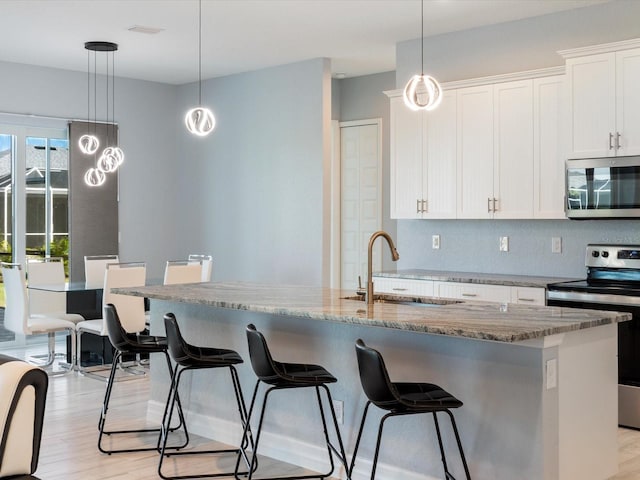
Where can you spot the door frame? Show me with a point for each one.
(336, 190)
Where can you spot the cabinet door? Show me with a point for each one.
(548, 157)
(403, 286)
(406, 160)
(528, 295)
(475, 152)
(591, 85)
(474, 291)
(513, 149)
(628, 101)
(441, 146)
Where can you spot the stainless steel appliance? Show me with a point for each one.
(612, 283)
(603, 187)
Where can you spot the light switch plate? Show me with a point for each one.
(435, 242)
(504, 244)
(552, 373)
(556, 244)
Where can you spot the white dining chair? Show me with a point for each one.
(207, 265)
(130, 308)
(18, 320)
(48, 272)
(182, 271)
(94, 268)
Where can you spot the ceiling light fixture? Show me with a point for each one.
(88, 142)
(200, 120)
(112, 156)
(423, 92)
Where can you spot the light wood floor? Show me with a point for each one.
(69, 446)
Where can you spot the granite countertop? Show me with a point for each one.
(471, 277)
(475, 320)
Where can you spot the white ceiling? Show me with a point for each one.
(359, 36)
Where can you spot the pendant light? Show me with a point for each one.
(423, 92)
(112, 156)
(88, 142)
(200, 120)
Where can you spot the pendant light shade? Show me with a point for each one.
(94, 177)
(200, 120)
(422, 92)
(112, 155)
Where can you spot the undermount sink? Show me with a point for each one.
(405, 300)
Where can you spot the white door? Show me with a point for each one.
(361, 199)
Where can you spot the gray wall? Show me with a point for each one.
(146, 114)
(515, 46)
(251, 193)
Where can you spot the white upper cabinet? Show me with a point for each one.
(406, 168)
(513, 150)
(603, 101)
(475, 152)
(440, 125)
(548, 156)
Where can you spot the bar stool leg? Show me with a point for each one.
(246, 434)
(355, 450)
(378, 442)
(341, 454)
(455, 431)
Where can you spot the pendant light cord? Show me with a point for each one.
(422, 36)
(88, 91)
(200, 52)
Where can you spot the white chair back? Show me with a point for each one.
(17, 310)
(46, 271)
(207, 265)
(130, 309)
(182, 271)
(94, 268)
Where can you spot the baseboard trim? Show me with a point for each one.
(284, 448)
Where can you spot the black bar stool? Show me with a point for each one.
(190, 357)
(131, 344)
(281, 376)
(401, 399)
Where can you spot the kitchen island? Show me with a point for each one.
(539, 383)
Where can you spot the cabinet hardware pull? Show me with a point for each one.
(469, 295)
(610, 141)
(417, 205)
(526, 300)
(617, 140)
(495, 201)
(398, 289)
(488, 205)
(424, 206)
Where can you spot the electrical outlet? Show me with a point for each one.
(556, 244)
(338, 407)
(504, 244)
(435, 242)
(552, 373)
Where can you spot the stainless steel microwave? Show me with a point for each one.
(603, 188)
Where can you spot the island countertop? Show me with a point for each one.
(475, 320)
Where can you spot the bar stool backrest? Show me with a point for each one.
(130, 308)
(94, 269)
(261, 361)
(177, 346)
(207, 265)
(115, 331)
(374, 376)
(46, 271)
(182, 271)
(17, 309)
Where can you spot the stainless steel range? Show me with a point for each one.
(612, 283)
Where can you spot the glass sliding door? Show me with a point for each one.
(34, 193)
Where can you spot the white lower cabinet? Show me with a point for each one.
(403, 286)
(528, 295)
(460, 291)
(474, 291)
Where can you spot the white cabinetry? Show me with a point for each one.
(603, 100)
(423, 160)
(528, 295)
(403, 286)
(548, 156)
(475, 152)
(474, 291)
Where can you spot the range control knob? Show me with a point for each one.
(605, 254)
(595, 254)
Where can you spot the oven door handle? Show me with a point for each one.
(593, 298)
